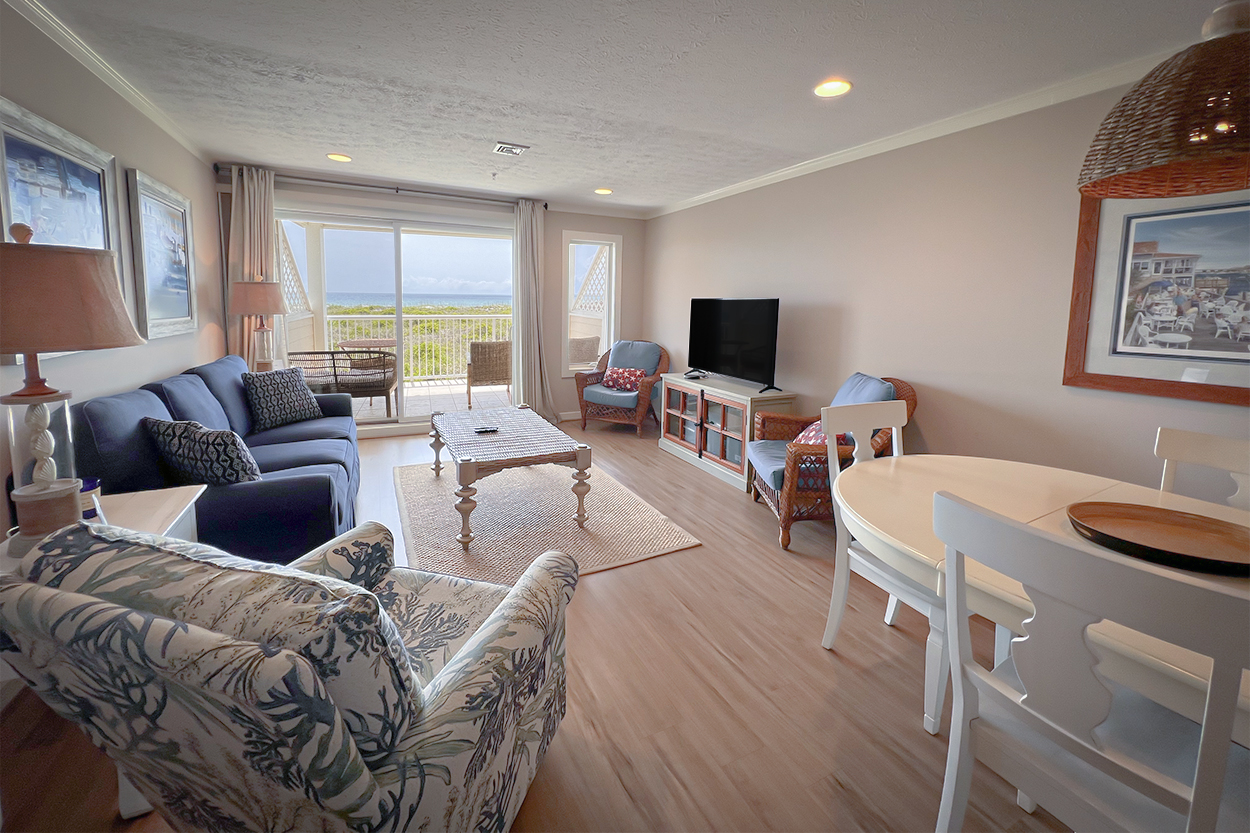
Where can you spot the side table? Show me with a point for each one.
(168, 512)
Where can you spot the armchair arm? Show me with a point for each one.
(362, 556)
(645, 385)
(584, 378)
(334, 404)
(490, 713)
(770, 425)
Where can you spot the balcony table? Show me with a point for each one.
(887, 504)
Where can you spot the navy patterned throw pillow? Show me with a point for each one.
(278, 397)
(200, 455)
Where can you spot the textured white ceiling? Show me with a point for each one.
(661, 101)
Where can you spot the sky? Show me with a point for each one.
(1221, 236)
(363, 261)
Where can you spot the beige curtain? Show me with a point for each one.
(252, 245)
(530, 370)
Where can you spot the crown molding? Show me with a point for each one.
(1129, 72)
(619, 212)
(52, 26)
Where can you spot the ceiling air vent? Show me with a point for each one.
(510, 148)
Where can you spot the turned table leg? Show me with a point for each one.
(580, 487)
(466, 474)
(436, 444)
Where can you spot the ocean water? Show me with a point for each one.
(385, 299)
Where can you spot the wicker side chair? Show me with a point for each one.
(362, 373)
(490, 363)
(805, 494)
(632, 410)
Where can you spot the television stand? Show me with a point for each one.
(708, 422)
(767, 388)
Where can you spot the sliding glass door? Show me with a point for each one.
(422, 293)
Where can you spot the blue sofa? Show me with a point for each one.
(310, 471)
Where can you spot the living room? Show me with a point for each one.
(943, 257)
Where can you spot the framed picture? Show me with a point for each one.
(61, 186)
(1161, 298)
(160, 226)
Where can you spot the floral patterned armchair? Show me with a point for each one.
(337, 693)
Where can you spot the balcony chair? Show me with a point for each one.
(339, 693)
(490, 363)
(361, 373)
(627, 405)
(583, 350)
(791, 461)
(1096, 754)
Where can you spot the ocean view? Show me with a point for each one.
(384, 299)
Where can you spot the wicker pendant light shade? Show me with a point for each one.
(1185, 128)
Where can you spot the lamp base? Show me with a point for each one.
(43, 508)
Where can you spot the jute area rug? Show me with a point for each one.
(522, 513)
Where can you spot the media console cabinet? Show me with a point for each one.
(708, 422)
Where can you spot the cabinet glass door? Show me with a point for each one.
(681, 416)
(723, 432)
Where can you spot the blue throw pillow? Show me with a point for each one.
(201, 455)
(861, 388)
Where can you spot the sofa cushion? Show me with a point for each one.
(224, 378)
(769, 459)
(623, 378)
(305, 453)
(188, 398)
(279, 397)
(196, 454)
(340, 628)
(111, 443)
(324, 428)
(860, 388)
(608, 396)
(644, 354)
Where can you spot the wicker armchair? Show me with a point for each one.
(490, 363)
(805, 494)
(358, 372)
(634, 414)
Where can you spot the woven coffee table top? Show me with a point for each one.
(523, 438)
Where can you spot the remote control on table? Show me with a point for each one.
(485, 429)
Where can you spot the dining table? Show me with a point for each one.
(887, 504)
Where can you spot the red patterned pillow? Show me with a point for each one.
(814, 435)
(623, 378)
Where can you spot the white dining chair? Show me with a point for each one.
(859, 422)
(1095, 754)
(1173, 445)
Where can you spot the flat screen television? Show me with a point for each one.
(735, 337)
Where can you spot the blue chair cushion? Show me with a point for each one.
(111, 443)
(768, 457)
(189, 399)
(224, 378)
(644, 354)
(611, 397)
(861, 388)
(325, 428)
(305, 453)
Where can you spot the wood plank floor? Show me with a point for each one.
(699, 695)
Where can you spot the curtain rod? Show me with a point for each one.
(391, 189)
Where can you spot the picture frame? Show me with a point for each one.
(164, 255)
(1106, 349)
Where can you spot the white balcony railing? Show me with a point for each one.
(435, 346)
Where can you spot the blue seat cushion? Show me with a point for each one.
(188, 398)
(111, 443)
(224, 378)
(305, 453)
(644, 354)
(611, 397)
(768, 457)
(861, 388)
(325, 428)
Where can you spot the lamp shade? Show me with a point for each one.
(61, 298)
(1184, 129)
(257, 298)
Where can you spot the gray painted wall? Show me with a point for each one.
(947, 264)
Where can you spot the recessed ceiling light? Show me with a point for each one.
(833, 87)
(338, 157)
(603, 191)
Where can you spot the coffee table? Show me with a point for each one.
(523, 438)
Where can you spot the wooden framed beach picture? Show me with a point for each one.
(160, 226)
(1161, 298)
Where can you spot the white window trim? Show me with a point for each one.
(613, 315)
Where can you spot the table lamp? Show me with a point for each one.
(259, 298)
(52, 299)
